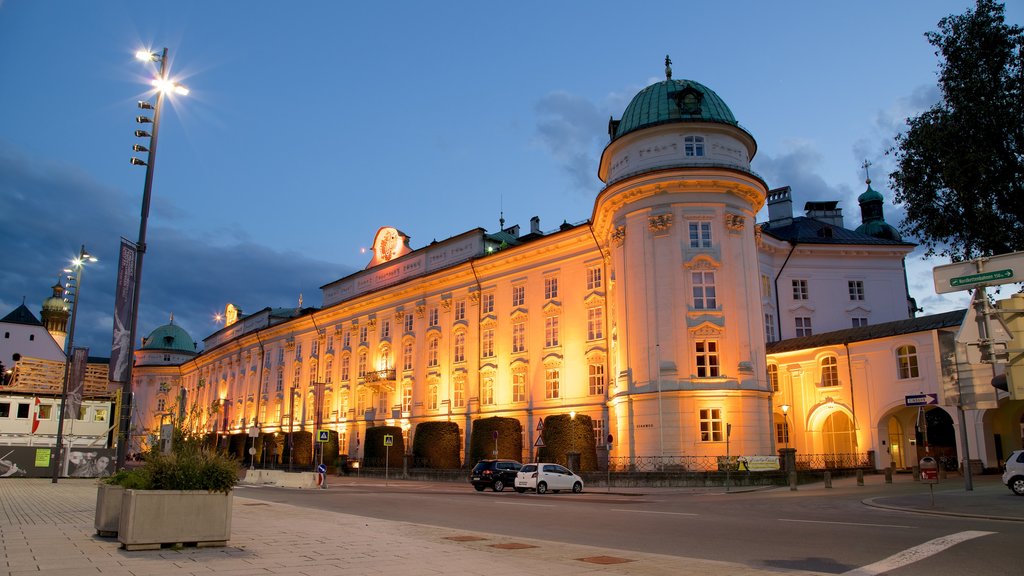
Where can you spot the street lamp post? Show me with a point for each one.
(77, 266)
(785, 421)
(163, 86)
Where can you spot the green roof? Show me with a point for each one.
(870, 195)
(674, 101)
(169, 337)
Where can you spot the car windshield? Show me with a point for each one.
(529, 468)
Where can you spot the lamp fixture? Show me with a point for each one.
(145, 105)
(143, 120)
(785, 409)
(139, 148)
(137, 162)
(142, 134)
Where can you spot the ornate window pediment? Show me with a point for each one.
(489, 321)
(552, 360)
(702, 262)
(706, 330)
(594, 299)
(519, 315)
(519, 365)
(488, 368)
(596, 354)
(552, 308)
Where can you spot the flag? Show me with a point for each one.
(35, 417)
(124, 291)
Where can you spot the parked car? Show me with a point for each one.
(1013, 476)
(544, 476)
(494, 474)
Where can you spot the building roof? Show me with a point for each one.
(673, 101)
(804, 230)
(169, 337)
(22, 315)
(870, 332)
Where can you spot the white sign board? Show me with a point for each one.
(989, 271)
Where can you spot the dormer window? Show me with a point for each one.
(693, 145)
(689, 100)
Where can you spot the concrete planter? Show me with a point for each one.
(108, 509)
(151, 519)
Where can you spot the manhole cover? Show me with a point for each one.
(605, 560)
(513, 546)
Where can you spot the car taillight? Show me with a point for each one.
(487, 472)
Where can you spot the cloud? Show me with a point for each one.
(797, 167)
(48, 209)
(569, 127)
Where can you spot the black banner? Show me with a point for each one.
(124, 293)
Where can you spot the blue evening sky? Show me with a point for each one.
(310, 124)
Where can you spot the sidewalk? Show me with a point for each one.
(989, 499)
(47, 528)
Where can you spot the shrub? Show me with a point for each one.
(510, 439)
(374, 449)
(437, 444)
(564, 434)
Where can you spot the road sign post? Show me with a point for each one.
(388, 441)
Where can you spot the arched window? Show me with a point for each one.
(432, 396)
(829, 372)
(906, 362)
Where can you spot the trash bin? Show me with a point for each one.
(929, 470)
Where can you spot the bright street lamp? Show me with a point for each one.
(164, 86)
(785, 420)
(74, 289)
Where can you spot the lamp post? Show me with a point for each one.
(75, 283)
(572, 438)
(785, 421)
(163, 85)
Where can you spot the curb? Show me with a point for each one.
(873, 502)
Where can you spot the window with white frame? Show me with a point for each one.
(858, 322)
(298, 351)
(315, 347)
(906, 362)
(361, 366)
(459, 310)
(518, 337)
(800, 290)
(487, 303)
(599, 435)
(487, 343)
(459, 391)
(519, 386)
(593, 277)
(346, 339)
(803, 326)
(700, 234)
(280, 356)
(550, 331)
(297, 374)
(773, 377)
(407, 355)
(782, 432)
(459, 348)
(769, 328)
(280, 379)
(432, 352)
(330, 342)
(161, 404)
(487, 390)
(407, 397)
(552, 382)
(595, 323)
(856, 289)
(711, 429)
(364, 334)
(385, 329)
(706, 358)
(829, 372)
(329, 371)
(693, 145)
(433, 317)
(432, 396)
(408, 322)
(766, 286)
(518, 295)
(550, 287)
(703, 285)
(595, 378)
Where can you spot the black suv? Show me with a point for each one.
(494, 473)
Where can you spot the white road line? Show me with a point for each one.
(523, 504)
(844, 523)
(654, 512)
(920, 552)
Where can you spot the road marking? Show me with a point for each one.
(524, 504)
(844, 523)
(920, 552)
(654, 512)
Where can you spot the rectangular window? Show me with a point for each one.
(550, 331)
(432, 349)
(43, 413)
(432, 317)
(803, 326)
(769, 328)
(329, 371)
(407, 355)
(593, 278)
(280, 378)
(711, 425)
(799, 289)
(346, 339)
(596, 379)
(330, 342)
(460, 310)
(385, 329)
(519, 337)
(552, 384)
(459, 348)
(408, 322)
(906, 360)
(487, 391)
(704, 290)
(280, 356)
(5, 409)
(599, 435)
(315, 348)
(364, 332)
(693, 145)
(432, 397)
(298, 351)
(550, 287)
(858, 322)
(706, 358)
(407, 398)
(700, 234)
(518, 295)
(487, 343)
(856, 289)
(766, 287)
(595, 323)
(161, 404)
(782, 433)
(361, 365)
(487, 303)
(297, 376)
(101, 415)
(519, 386)
(773, 377)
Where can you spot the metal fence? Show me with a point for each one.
(832, 461)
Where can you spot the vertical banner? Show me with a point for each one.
(318, 401)
(123, 295)
(76, 382)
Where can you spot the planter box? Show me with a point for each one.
(108, 509)
(151, 519)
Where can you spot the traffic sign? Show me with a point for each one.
(540, 424)
(322, 435)
(987, 271)
(321, 469)
(982, 278)
(389, 440)
(921, 399)
(254, 431)
(540, 442)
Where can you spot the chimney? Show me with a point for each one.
(535, 225)
(827, 212)
(780, 207)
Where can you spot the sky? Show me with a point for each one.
(311, 124)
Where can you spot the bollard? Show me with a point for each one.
(860, 477)
(792, 480)
(888, 475)
(828, 479)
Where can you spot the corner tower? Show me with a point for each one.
(676, 219)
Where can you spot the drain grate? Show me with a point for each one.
(605, 560)
(513, 546)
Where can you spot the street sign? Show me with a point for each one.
(988, 271)
(322, 468)
(540, 442)
(322, 435)
(540, 424)
(389, 440)
(921, 399)
(254, 432)
(494, 434)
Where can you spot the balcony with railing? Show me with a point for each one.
(380, 379)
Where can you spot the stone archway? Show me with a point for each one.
(837, 434)
(895, 442)
(939, 435)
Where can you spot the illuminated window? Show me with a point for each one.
(460, 310)
(550, 287)
(593, 278)
(599, 428)
(459, 348)
(706, 358)
(766, 287)
(518, 295)
(487, 303)
(361, 366)
(519, 386)
(906, 361)
(312, 371)
(595, 323)
(408, 322)
(711, 425)
(550, 331)
(364, 332)
(459, 391)
(315, 347)
(773, 377)
(552, 384)
(385, 329)
(432, 317)
(161, 404)
(856, 289)
(487, 343)
(344, 369)
(297, 375)
(407, 397)
(704, 290)
(693, 145)
(518, 337)
(346, 339)
(330, 342)
(487, 391)
(829, 372)
(700, 234)
(407, 355)
(280, 379)
(800, 290)
(432, 397)
(596, 378)
(432, 348)
(803, 326)
(782, 432)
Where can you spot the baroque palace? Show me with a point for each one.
(671, 318)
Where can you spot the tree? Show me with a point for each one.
(960, 172)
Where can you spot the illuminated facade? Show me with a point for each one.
(651, 317)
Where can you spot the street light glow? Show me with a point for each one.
(166, 86)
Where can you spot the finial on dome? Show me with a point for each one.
(867, 175)
(172, 317)
(300, 300)
(668, 67)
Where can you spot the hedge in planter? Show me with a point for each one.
(436, 445)
(374, 449)
(510, 439)
(564, 434)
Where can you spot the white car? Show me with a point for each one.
(544, 477)
(1013, 476)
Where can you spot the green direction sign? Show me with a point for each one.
(980, 278)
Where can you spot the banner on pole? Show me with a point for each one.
(76, 382)
(124, 291)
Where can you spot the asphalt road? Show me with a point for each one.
(812, 529)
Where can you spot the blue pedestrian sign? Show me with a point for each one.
(322, 436)
(321, 469)
(922, 399)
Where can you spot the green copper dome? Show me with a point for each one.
(870, 195)
(169, 337)
(673, 101)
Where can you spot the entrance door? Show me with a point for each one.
(837, 438)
